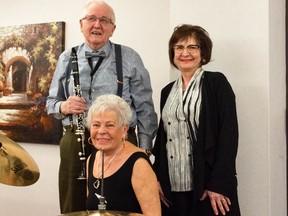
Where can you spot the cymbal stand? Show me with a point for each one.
(102, 204)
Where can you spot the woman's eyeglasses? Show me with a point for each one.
(190, 48)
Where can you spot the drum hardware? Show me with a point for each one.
(102, 201)
(99, 213)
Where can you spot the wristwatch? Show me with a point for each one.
(148, 152)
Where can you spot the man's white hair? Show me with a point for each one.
(98, 2)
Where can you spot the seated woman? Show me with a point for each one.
(130, 182)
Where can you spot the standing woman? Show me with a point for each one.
(196, 145)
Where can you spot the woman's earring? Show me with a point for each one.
(90, 141)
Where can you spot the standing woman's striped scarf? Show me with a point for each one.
(192, 100)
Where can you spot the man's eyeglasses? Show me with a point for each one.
(93, 19)
(190, 48)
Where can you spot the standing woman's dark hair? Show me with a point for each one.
(183, 32)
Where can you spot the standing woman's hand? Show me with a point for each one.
(218, 201)
(166, 202)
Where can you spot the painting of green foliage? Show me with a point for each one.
(28, 57)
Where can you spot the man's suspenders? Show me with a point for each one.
(119, 70)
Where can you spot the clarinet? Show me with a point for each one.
(80, 129)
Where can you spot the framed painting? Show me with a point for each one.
(28, 57)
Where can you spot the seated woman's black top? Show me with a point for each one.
(118, 190)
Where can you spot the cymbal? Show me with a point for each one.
(101, 213)
(17, 167)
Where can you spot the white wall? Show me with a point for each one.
(249, 48)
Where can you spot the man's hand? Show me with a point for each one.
(73, 105)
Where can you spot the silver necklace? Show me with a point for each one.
(97, 183)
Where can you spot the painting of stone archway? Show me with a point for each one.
(28, 57)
